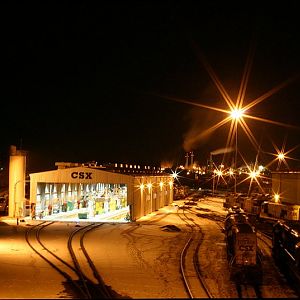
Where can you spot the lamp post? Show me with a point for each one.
(17, 211)
(213, 185)
(16, 215)
(235, 156)
(218, 173)
(280, 158)
(236, 115)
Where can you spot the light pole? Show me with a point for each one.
(236, 115)
(280, 158)
(17, 211)
(219, 174)
(16, 215)
(213, 187)
(235, 158)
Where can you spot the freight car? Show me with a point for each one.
(282, 211)
(252, 204)
(242, 252)
(263, 206)
(286, 246)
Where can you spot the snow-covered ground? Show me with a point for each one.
(137, 260)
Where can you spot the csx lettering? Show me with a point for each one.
(246, 248)
(82, 175)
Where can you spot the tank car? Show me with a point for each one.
(242, 252)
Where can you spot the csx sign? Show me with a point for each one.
(82, 175)
(246, 248)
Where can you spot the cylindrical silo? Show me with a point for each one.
(17, 179)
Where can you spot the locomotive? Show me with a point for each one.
(286, 246)
(242, 251)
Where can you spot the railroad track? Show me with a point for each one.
(82, 277)
(191, 274)
(265, 238)
(248, 291)
(243, 290)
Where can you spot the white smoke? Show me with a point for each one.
(222, 150)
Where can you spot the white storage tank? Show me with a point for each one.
(17, 180)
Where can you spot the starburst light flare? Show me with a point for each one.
(237, 112)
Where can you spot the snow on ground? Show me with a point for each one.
(137, 260)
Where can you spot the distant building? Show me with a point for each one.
(125, 168)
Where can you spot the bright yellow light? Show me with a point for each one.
(236, 113)
(161, 184)
(171, 183)
(149, 186)
(276, 197)
(174, 175)
(253, 174)
(236, 109)
(282, 155)
(219, 173)
(142, 186)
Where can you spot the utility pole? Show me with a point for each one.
(17, 209)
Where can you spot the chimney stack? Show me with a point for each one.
(186, 160)
(192, 159)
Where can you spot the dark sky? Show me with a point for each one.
(89, 82)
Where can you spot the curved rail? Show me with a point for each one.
(83, 285)
(91, 289)
(182, 256)
(242, 291)
(96, 274)
(67, 276)
(196, 264)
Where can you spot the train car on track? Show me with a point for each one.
(242, 251)
(252, 204)
(262, 206)
(286, 246)
(282, 211)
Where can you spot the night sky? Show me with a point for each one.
(85, 82)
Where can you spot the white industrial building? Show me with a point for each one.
(77, 191)
(94, 193)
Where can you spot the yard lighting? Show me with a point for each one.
(276, 198)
